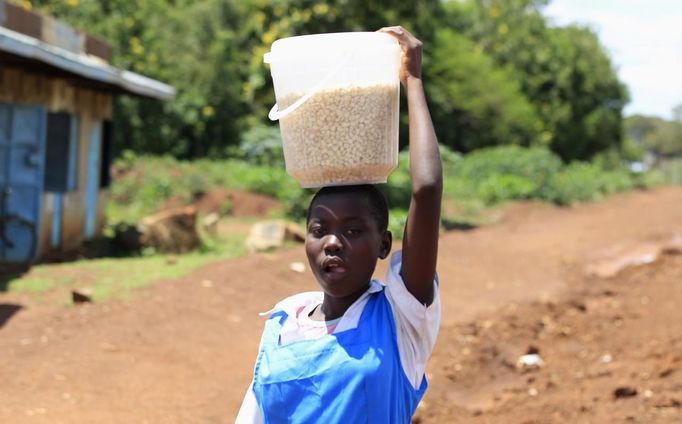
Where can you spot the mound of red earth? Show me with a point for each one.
(174, 228)
(231, 202)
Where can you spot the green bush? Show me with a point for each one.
(616, 181)
(582, 182)
(296, 201)
(398, 191)
(498, 188)
(536, 164)
(483, 178)
(499, 174)
(649, 179)
(577, 183)
(261, 145)
(146, 182)
(397, 217)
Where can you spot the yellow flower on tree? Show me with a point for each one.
(321, 9)
(136, 46)
(208, 111)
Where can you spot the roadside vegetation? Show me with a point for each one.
(473, 184)
(482, 179)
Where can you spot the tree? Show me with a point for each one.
(564, 72)
(474, 103)
(212, 52)
(660, 137)
(496, 72)
(199, 47)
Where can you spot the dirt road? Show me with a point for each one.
(182, 351)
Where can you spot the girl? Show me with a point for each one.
(357, 351)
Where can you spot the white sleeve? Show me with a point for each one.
(249, 413)
(416, 324)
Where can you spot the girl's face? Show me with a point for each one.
(343, 244)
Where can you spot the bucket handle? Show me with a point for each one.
(276, 114)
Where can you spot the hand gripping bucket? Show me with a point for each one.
(338, 106)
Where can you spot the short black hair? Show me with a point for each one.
(378, 206)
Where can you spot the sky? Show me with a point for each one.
(644, 39)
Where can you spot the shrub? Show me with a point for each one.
(146, 182)
(499, 174)
(500, 187)
(649, 179)
(576, 183)
(535, 165)
(482, 178)
(397, 217)
(582, 181)
(261, 145)
(398, 191)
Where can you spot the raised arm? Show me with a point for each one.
(420, 241)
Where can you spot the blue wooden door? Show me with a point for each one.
(22, 157)
(92, 187)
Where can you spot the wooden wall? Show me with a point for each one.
(58, 95)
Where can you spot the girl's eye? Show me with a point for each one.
(353, 231)
(317, 232)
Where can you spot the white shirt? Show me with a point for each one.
(416, 327)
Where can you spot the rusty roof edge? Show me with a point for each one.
(85, 66)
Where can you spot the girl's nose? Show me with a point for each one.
(332, 244)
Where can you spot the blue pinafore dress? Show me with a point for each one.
(354, 376)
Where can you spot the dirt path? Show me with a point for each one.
(612, 353)
(183, 351)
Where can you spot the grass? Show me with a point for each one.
(119, 277)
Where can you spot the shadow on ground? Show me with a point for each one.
(7, 310)
(9, 272)
(451, 224)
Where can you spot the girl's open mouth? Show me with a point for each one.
(334, 268)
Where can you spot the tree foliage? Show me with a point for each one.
(496, 71)
(660, 137)
(475, 103)
(564, 72)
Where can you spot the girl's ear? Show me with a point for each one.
(386, 242)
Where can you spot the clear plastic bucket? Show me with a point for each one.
(338, 106)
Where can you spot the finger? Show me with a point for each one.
(397, 34)
(397, 30)
(404, 37)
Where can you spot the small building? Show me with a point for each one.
(56, 93)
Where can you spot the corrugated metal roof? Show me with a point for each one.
(84, 66)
